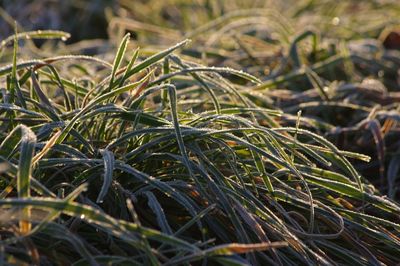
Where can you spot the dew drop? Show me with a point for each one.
(63, 38)
(335, 21)
(82, 216)
(27, 37)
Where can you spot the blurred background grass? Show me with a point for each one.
(83, 19)
(89, 19)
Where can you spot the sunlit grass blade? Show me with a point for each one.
(28, 141)
(118, 58)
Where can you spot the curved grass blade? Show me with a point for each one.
(157, 209)
(39, 34)
(108, 158)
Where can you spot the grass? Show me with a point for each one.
(160, 158)
(328, 59)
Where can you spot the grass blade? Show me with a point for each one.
(28, 141)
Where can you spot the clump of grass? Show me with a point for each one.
(162, 160)
(326, 58)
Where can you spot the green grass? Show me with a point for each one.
(196, 153)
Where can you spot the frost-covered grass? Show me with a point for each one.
(197, 152)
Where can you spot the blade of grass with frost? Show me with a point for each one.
(155, 58)
(71, 87)
(37, 64)
(51, 60)
(39, 34)
(174, 113)
(118, 59)
(58, 80)
(157, 209)
(129, 67)
(9, 68)
(15, 88)
(373, 218)
(242, 110)
(28, 141)
(353, 155)
(166, 71)
(315, 171)
(226, 70)
(43, 98)
(109, 160)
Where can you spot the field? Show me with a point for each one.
(199, 132)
